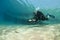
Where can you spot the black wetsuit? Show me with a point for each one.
(40, 16)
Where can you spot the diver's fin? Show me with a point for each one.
(49, 15)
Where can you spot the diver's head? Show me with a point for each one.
(37, 9)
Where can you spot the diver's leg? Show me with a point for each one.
(49, 15)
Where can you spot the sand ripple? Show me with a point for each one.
(48, 32)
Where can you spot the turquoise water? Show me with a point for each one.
(18, 12)
(22, 18)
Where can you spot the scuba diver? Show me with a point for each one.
(39, 16)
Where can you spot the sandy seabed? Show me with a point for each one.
(28, 32)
